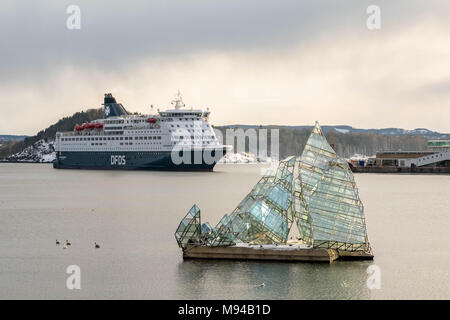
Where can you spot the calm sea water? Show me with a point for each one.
(133, 215)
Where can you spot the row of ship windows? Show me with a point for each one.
(188, 130)
(112, 138)
(111, 149)
(125, 121)
(154, 127)
(144, 143)
(144, 120)
(122, 143)
(147, 138)
(114, 121)
(166, 117)
(193, 142)
(193, 137)
(154, 143)
(187, 126)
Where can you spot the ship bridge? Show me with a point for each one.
(181, 112)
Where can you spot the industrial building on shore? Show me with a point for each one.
(436, 159)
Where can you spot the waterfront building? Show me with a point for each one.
(436, 159)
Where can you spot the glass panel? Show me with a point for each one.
(326, 198)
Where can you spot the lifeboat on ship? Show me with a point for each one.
(98, 125)
(151, 120)
(78, 127)
(90, 125)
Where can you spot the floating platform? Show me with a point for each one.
(285, 252)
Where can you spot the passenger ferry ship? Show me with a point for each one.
(175, 139)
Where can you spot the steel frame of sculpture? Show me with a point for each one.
(323, 201)
(189, 230)
(265, 215)
(329, 211)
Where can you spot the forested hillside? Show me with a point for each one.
(64, 124)
(292, 141)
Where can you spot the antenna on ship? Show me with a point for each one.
(178, 101)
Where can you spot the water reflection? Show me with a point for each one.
(217, 279)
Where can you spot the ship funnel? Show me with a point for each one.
(112, 108)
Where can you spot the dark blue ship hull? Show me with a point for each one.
(139, 160)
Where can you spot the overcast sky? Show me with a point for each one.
(250, 61)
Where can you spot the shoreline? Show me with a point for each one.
(17, 161)
(402, 170)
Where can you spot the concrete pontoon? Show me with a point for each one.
(286, 253)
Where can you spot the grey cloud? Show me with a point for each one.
(441, 87)
(285, 54)
(34, 37)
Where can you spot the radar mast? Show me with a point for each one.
(178, 102)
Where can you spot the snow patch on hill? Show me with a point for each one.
(41, 151)
(342, 130)
(242, 157)
(238, 158)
